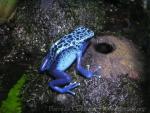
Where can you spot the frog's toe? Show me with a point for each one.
(97, 71)
(66, 89)
(71, 92)
(72, 85)
(63, 90)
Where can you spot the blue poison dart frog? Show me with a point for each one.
(62, 54)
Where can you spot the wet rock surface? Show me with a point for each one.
(93, 96)
(38, 23)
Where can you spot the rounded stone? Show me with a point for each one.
(116, 56)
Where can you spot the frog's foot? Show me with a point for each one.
(90, 72)
(66, 89)
(71, 86)
(84, 72)
(95, 69)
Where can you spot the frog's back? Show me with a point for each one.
(59, 46)
(74, 39)
(57, 49)
(66, 46)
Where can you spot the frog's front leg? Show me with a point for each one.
(62, 78)
(80, 69)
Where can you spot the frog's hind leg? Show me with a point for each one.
(62, 78)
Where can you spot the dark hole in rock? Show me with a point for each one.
(104, 48)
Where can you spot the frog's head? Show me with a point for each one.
(83, 34)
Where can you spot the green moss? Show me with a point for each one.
(7, 8)
(13, 102)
